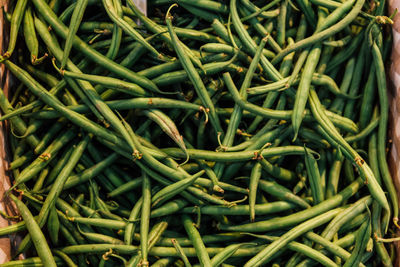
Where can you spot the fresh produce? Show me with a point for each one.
(210, 133)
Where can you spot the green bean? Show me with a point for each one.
(100, 205)
(155, 251)
(109, 173)
(224, 48)
(33, 104)
(125, 104)
(16, 20)
(157, 231)
(280, 114)
(323, 34)
(89, 173)
(222, 32)
(65, 258)
(261, 209)
(263, 136)
(263, 32)
(227, 252)
(313, 137)
(197, 35)
(57, 25)
(135, 54)
(17, 124)
(210, 5)
(382, 128)
(116, 38)
(77, 118)
(130, 227)
(338, 43)
(193, 76)
(55, 190)
(276, 171)
(66, 14)
(181, 253)
(349, 51)
(155, 28)
(237, 110)
(109, 7)
(174, 174)
(211, 174)
(294, 260)
(195, 237)
(268, 68)
(71, 241)
(282, 193)
(72, 231)
(314, 178)
(32, 128)
(334, 175)
(282, 23)
(173, 189)
(13, 228)
(337, 105)
(268, 102)
(263, 256)
(98, 222)
(168, 126)
(309, 14)
(144, 220)
(245, 149)
(30, 37)
(376, 228)
(53, 225)
(345, 217)
(182, 75)
(32, 261)
(304, 249)
(99, 248)
(20, 161)
(191, 252)
(168, 208)
(207, 239)
(349, 152)
(38, 238)
(253, 184)
(164, 181)
(125, 187)
(329, 246)
(86, 211)
(49, 135)
(297, 67)
(236, 156)
(295, 218)
(58, 167)
(76, 19)
(363, 235)
(163, 262)
(261, 11)
(365, 132)
(43, 160)
(122, 86)
(89, 90)
(158, 70)
(368, 97)
(200, 12)
(302, 91)
(100, 238)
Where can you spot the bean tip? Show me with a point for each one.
(395, 222)
(168, 16)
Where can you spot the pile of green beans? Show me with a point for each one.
(208, 133)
